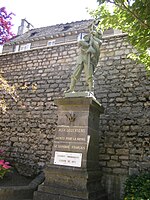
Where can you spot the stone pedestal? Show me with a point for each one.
(73, 172)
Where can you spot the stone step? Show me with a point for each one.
(49, 196)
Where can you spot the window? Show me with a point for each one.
(66, 27)
(25, 47)
(33, 34)
(16, 48)
(51, 43)
(81, 36)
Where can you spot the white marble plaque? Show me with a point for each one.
(68, 159)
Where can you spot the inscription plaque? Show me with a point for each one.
(68, 159)
(71, 134)
(71, 130)
(72, 139)
(72, 146)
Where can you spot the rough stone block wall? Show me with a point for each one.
(123, 89)
(27, 128)
(40, 75)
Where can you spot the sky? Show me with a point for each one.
(42, 13)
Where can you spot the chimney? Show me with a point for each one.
(24, 27)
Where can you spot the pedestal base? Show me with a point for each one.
(73, 172)
(68, 184)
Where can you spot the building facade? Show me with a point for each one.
(31, 38)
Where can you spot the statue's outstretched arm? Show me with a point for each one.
(83, 43)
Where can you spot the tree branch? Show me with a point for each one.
(134, 15)
(121, 5)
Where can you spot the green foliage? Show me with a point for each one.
(11, 90)
(6, 88)
(137, 187)
(133, 18)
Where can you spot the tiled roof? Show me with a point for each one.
(45, 32)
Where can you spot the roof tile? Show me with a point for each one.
(52, 30)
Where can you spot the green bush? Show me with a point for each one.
(137, 187)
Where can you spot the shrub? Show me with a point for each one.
(137, 187)
(4, 166)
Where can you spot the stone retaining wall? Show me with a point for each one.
(122, 88)
(121, 85)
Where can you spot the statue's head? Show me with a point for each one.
(86, 37)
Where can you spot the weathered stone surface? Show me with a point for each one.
(37, 115)
(67, 178)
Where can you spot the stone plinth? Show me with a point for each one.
(73, 172)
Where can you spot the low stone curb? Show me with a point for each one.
(21, 192)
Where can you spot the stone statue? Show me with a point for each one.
(88, 57)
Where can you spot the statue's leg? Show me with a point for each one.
(75, 77)
(89, 76)
(72, 85)
(90, 84)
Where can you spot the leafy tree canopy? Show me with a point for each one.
(5, 25)
(5, 35)
(133, 18)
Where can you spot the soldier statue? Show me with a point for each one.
(88, 57)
